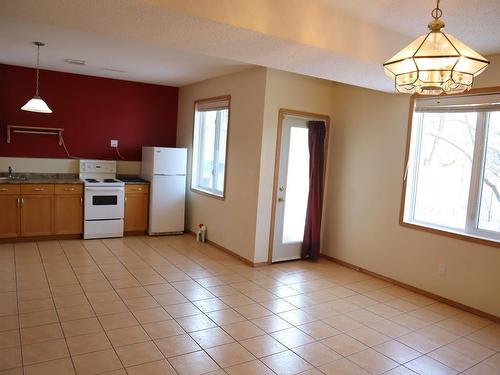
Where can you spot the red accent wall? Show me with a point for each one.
(91, 110)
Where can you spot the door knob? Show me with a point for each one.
(280, 199)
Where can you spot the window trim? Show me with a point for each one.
(198, 190)
(433, 228)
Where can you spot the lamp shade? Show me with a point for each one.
(435, 63)
(36, 104)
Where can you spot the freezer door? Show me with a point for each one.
(169, 161)
(167, 204)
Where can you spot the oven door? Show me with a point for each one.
(104, 203)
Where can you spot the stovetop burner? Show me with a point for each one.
(91, 180)
(109, 180)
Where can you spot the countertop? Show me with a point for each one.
(41, 178)
(60, 178)
(133, 180)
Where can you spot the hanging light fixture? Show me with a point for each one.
(435, 63)
(36, 104)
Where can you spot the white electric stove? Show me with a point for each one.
(104, 199)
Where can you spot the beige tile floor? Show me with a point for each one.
(169, 305)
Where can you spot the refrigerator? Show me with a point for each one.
(165, 168)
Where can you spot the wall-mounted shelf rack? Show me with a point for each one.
(11, 129)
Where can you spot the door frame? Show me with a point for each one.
(281, 116)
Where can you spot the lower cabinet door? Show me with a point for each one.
(37, 217)
(136, 212)
(9, 216)
(68, 214)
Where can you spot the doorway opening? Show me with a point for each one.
(291, 184)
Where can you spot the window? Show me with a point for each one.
(211, 119)
(452, 179)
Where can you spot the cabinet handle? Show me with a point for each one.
(4, 189)
(39, 189)
(81, 201)
(138, 189)
(69, 189)
(22, 202)
(18, 202)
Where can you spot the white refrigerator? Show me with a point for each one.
(165, 168)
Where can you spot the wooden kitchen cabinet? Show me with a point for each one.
(37, 215)
(10, 210)
(136, 207)
(68, 209)
(10, 216)
(38, 210)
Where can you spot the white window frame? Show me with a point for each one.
(214, 104)
(407, 217)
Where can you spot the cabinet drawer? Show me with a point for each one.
(61, 189)
(39, 189)
(136, 189)
(10, 189)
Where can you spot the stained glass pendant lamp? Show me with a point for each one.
(435, 63)
(36, 104)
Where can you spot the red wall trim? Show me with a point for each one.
(92, 111)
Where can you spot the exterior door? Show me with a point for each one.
(292, 189)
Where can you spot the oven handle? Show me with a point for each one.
(104, 188)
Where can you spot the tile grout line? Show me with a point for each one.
(18, 308)
(129, 248)
(236, 340)
(173, 318)
(122, 300)
(54, 304)
(189, 333)
(90, 304)
(217, 325)
(360, 308)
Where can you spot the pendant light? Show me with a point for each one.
(36, 104)
(435, 63)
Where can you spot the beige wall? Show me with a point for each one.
(230, 222)
(491, 76)
(290, 91)
(47, 165)
(364, 177)
(362, 208)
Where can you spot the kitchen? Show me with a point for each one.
(95, 203)
(44, 194)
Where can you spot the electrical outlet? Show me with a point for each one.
(441, 269)
(114, 143)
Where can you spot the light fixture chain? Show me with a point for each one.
(37, 68)
(437, 12)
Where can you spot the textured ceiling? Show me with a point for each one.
(106, 57)
(475, 22)
(178, 42)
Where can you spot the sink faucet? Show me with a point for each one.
(10, 171)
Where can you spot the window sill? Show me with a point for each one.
(207, 193)
(451, 234)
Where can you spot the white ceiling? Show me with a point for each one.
(475, 22)
(177, 42)
(106, 57)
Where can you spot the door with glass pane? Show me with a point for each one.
(292, 189)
